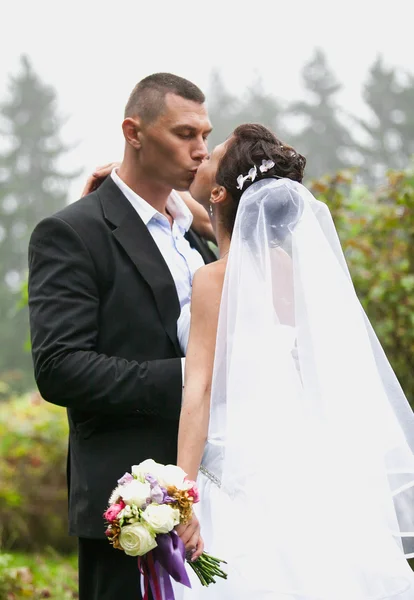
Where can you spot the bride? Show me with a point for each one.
(293, 421)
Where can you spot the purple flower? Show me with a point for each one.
(126, 478)
(157, 494)
(167, 499)
(151, 479)
(147, 503)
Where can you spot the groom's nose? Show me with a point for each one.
(200, 150)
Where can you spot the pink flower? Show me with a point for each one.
(112, 512)
(193, 491)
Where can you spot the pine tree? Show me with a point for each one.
(260, 107)
(384, 128)
(406, 120)
(227, 111)
(31, 187)
(223, 110)
(323, 139)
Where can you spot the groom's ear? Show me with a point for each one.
(132, 129)
(218, 194)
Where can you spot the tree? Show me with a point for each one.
(223, 109)
(323, 139)
(260, 107)
(228, 111)
(389, 106)
(405, 120)
(31, 187)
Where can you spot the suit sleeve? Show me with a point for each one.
(63, 309)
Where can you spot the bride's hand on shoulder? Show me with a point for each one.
(97, 177)
(190, 535)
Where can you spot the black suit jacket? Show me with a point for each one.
(103, 318)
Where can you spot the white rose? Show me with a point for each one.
(136, 492)
(162, 518)
(147, 466)
(173, 476)
(136, 540)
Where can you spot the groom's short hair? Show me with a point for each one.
(147, 99)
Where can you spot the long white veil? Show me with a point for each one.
(318, 453)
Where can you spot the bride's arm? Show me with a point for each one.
(201, 220)
(195, 411)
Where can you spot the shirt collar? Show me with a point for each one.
(175, 205)
(179, 211)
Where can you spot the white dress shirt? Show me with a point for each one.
(182, 260)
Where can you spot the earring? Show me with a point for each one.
(211, 209)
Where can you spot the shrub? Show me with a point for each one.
(47, 576)
(377, 234)
(33, 497)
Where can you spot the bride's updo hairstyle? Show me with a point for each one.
(248, 147)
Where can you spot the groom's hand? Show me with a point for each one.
(190, 535)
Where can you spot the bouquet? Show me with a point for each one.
(143, 511)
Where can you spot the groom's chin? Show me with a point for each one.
(182, 187)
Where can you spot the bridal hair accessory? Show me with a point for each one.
(266, 165)
(252, 174)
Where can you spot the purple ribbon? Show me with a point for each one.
(170, 553)
(167, 592)
(169, 560)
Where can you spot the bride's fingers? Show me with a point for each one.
(97, 177)
(90, 186)
(192, 543)
(199, 549)
(185, 532)
(105, 170)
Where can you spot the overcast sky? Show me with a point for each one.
(93, 52)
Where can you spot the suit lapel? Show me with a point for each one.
(133, 235)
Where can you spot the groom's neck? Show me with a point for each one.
(151, 191)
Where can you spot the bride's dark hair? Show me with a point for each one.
(248, 145)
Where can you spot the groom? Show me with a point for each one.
(107, 278)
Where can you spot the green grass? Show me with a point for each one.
(37, 576)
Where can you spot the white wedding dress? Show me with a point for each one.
(307, 478)
(219, 515)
